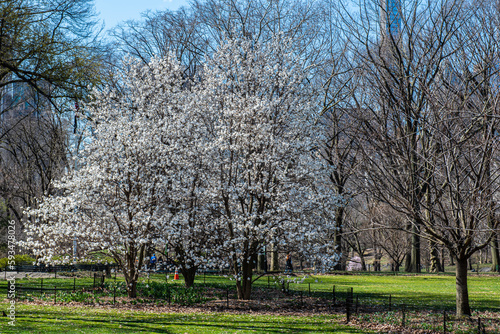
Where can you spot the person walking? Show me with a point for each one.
(152, 261)
(289, 266)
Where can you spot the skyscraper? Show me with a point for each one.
(390, 17)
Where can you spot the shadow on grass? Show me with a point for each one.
(419, 301)
(56, 320)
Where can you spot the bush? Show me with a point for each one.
(81, 297)
(178, 294)
(18, 259)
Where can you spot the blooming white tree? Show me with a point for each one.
(264, 176)
(216, 169)
(117, 200)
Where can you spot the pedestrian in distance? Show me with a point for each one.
(152, 262)
(289, 266)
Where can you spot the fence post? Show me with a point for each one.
(333, 295)
(403, 315)
(479, 325)
(309, 289)
(227, 297)
(55, 294)
(74, 284)
(93, 286)
(348, 308)
(390, 303)
(301, 301)
(268, 282)
(114, 295)
(55, 271)
(41, 285)
(444, 321)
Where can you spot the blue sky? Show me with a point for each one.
(115, 11)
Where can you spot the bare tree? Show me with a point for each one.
(398, 69)
(390, 234)
(429, 131)
(356, 230)
(463, 131)
(33, 152)
(340, 150)
(161, 33)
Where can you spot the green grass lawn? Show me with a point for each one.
(417, 292)
(420, 291)
(63, 319)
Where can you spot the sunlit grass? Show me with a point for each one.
(58, 319)
(416, 292)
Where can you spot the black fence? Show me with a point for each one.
(49, 288)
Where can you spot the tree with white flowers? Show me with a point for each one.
(265, 178)
(118, 198)
(215, 168)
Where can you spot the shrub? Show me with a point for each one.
(18, 259)
(178, 294)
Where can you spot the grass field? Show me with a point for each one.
(63, 319)
(418, 292)
(421, 291)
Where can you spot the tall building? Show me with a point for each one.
(18, 99)
(390, 17)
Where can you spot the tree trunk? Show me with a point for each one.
(435, 265)
(414, 260)
(244, 286)
(495, 265)
(376, 261)
(131, 269)
(132, 289)
(262, 263)
(462, 301)
(337, 238)
(359, 249)
(274, 258)
(363, 262)
(131, 281)
(491, 220)
(189, 276)
(442, 258)
(408, 261)
(108, 271)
